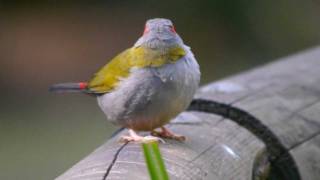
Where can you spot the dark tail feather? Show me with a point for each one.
(69, 87)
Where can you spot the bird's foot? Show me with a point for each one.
(134, 137)
(165, 133)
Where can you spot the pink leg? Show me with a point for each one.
(165, 133)
(134, 137)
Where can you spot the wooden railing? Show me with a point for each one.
(264, 123)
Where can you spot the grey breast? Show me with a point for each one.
(152, 94)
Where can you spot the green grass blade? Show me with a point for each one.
(154, 161)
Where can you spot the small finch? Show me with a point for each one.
(147, 85)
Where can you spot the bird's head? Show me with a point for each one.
(159, 33)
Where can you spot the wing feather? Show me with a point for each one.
(108, 77)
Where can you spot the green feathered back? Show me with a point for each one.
(107, 77)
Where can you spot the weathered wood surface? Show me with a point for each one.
(284, 96)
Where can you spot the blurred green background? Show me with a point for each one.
(45, 42)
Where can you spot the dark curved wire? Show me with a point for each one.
(283, 165)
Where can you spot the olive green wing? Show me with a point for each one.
(109, 76)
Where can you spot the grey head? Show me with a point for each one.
(159, 33)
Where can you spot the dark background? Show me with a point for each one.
(45, 42)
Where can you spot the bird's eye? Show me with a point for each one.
(146, 29)
(172, 29)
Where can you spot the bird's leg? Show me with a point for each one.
(134, 137)
(165, 133)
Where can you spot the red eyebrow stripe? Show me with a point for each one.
(146, 29)
(173, 29)
(83, 85)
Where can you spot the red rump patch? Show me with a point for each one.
(83, 85)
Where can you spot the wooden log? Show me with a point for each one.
(260, 124)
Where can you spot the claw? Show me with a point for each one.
(134, 137)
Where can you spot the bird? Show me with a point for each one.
(146, 86)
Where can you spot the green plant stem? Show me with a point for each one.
(154, 161)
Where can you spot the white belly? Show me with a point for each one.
(150, 97)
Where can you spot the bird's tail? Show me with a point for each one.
(69, 87)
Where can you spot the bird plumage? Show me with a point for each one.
(145, 86)
(107, 78)
(151, 96)
(69, 87)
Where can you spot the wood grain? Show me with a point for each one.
(283, 97)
